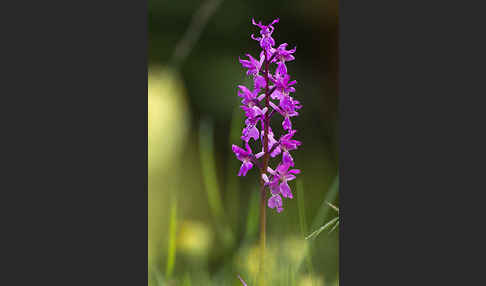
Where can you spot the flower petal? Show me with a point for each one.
(290, 177)
(239, 152)
(259, 155)
(265, 178)
(285, 190)
(282, 168)
(272, 172)
(287, 159)
(275, 201)
(253, 133)
(287, 124)
(275, 152)
(245, 167)
(259, 82)
(294, 171)
(275, 107)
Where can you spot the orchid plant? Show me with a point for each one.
(270, 95)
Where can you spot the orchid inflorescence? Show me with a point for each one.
(259, 108)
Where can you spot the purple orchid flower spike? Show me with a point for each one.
(259, 106)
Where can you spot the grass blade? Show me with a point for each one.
(232, 183)
(171, 252)
(324, 210)
(301, 206)
(253, 217)
(316, 233)
(303, 221)
(208, 166)
(187, 280)
(333, 206)
(336, 225)
(156, 277)
(213, 191)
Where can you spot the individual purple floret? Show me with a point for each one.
(286, 111)
(266, 40)
(270, 95)
(281, 81)
(244, 156)
(250, 131)
(252, 64)
(284, 55)
(281, 176)
(275, 202)
(247, 96)
(288, 144)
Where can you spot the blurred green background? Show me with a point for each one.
(202, 218)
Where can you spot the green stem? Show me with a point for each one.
(262, 235)
(266, 158)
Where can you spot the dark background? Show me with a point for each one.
(193, 120)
